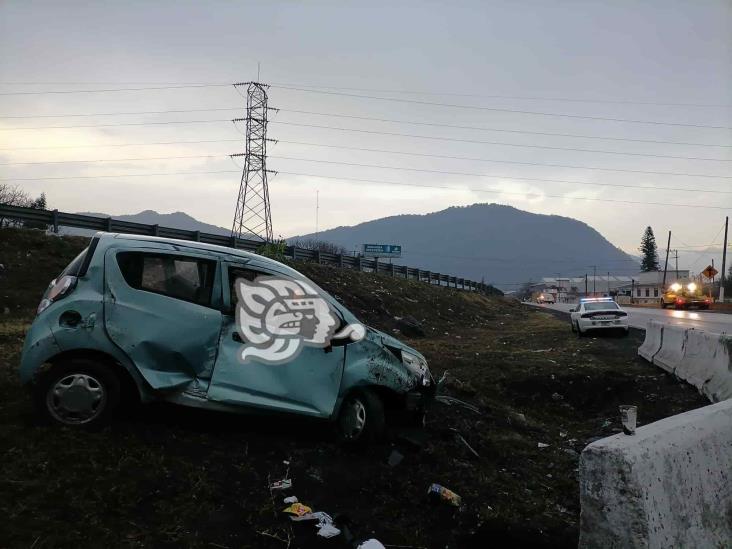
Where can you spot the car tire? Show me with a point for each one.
(78, 393)
(663, 304)
(579, 331)
(571, 324)
(361, 418)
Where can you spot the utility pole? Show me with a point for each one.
(665, 265)
(594, 280)
(253, 217)
(608, 283)
(585, 284)
(632, 289)
(724, 261)
(676, 255)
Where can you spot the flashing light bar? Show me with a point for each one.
(601, 299)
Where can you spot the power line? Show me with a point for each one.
(483, 128)
(116, 175)
(165, 122)
(468, 174)
(324, 145)
(115, 159)
(70, 115)
(389, 151)
(355, 117)
(494, 109)
(147, 88)
(120, 145)
(492, 191)
(517, 97)
(373, 90)
(546, 147)
(378, 181)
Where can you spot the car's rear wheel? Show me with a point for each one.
(361, 417)
(579, 331)
(78, 393)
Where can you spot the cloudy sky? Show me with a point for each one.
(645, 86)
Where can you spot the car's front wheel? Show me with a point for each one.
(78, 393)
(361, 417)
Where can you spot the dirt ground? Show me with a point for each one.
(166, 476)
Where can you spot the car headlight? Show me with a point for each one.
(417, 366)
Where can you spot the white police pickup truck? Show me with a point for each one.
(598, 313)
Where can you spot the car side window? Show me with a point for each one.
(236, 273)
(180, 277)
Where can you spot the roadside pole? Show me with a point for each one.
(665, 265)
(724, 261)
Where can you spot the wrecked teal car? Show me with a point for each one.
(136, 318)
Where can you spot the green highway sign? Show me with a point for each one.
(382, 250)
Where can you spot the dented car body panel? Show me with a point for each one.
(133, 302)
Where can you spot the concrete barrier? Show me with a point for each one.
(706, 364)
(652, 343)
(671, 353)
(669, 485)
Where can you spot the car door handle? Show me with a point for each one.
(236, 337)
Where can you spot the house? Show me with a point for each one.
(648, 287)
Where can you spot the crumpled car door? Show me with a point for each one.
(308, 384)
(170, 340)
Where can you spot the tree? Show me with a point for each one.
(14, 196)
(649, 251)
(319, 245)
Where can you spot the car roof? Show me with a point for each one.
(110, 238)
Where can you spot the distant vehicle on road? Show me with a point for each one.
(684, 297)
(546, 298)
(598, 313)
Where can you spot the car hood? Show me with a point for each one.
(390, 341)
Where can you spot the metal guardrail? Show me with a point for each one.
(56, 219)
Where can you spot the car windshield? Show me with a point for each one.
(600, 305)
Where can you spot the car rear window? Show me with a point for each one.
(180, 277)
(601, 306)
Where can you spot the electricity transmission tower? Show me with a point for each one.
(253, 218)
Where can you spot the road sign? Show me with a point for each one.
(382, 250)
(710, 272)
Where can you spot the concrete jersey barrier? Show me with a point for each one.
(669, 485)
(702, 359)
(652, 343)
(706, 364)
(671, 353)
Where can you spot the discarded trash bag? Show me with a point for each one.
(326, 528)
(284, 484)
(371, 544)
(446, 495)
(297, 509)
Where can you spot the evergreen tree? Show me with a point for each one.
(39, 203)
(649, 251)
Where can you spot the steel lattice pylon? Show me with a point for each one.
(253, 218)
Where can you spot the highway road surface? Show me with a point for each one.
(638, 317)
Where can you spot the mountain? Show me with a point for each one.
(501, 244)
(177, 220)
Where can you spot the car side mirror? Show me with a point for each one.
(572, 310)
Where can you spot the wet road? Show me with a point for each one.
(638, 317)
